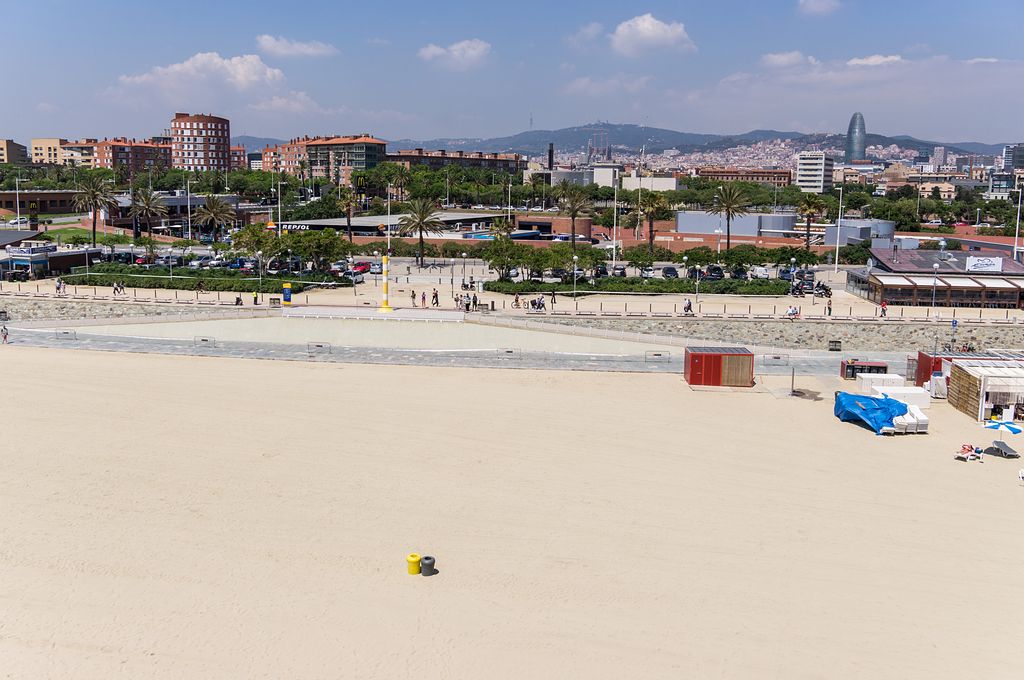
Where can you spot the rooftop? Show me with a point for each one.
(924, 261)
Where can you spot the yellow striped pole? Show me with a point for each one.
(385, 305)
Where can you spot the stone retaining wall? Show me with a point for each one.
(886, 336)
(21, 309)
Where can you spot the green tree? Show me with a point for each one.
(421, 219)
(147, 205)
(502, 254)
(94, 195)
(811, 206)
(638, 256)
(572, 201)
(348, 202)
(214, 212)
(651, 204)
(730, 201)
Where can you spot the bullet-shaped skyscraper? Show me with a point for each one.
(856, 136)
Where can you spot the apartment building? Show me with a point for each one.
(80, 153)
(338, 157)
(506, 162)
(12, 153)
(46, 149)
(778, 178)
(136, 155)
(200, 142)
(239, 159)
(814, 172)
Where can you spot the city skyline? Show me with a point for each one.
(801, 65)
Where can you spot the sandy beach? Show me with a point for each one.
(182, 517)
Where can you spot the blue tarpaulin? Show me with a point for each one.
(875, 412)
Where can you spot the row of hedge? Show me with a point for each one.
(644, 286)
(190, 279)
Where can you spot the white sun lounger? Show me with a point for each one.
(920, 417)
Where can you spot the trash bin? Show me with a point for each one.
(835, 346)
(492, 305)
(427, 566)
(479, 286)
(412, 563)
(275, 302)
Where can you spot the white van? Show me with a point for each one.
(758, 273)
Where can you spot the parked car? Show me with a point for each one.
(619, 270)
(200, 262)
(738, 273)
(537, 209)
(558, 273)
(669, 273)
(352, 275)
(647, 273)
(376, 268)
(713, 273)
(513, 272)
(785, 273)
(552, 209)
(759, 272)
(18, 221)
(600, 271)
(361, 267)
(577, 273)
(143, 259)
(805, 275)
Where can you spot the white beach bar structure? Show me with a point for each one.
(978, 387)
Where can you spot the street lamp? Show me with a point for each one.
(935, 274)
(575, 268)
(686, 270)
(1016, 232)
(259, 270)
(453, 278)
(376, 277)
(719, 232)
(464, 270)
(385, 302)
(839, 226)
(792, 272)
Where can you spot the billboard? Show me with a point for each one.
(984, 264)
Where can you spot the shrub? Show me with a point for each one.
(644, 286)
(189, 279)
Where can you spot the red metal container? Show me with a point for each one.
(719, 366)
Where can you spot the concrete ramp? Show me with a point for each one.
(371, 313)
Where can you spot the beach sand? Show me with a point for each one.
(178, 517)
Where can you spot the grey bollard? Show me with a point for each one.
(427, 566)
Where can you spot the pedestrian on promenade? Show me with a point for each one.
(434, 300)
(3, 333)
(885, 307)
(475, 302)
(413, 298)
(423, 299)
(466, 301)
(552, 298)
(687, 307)
(255, 297)
(828, 307)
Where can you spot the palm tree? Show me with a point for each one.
(730, 201)
(94, 195)
(811, 206)
(348, 202)
(651, 204)
(421, 219)
(401, 179)
(537, 181)
(214, 212)
(572, 201)
(146, 205)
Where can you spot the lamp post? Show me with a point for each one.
(615, 216)
(935, 274)
(575, 267)
(839, 226)
(259, 270)
(719, 232)
(453, 278)
(1016, 232)
(17, 197)
(792, 273)
(977, 220)
(376, 254)
(188, 201)
(464, 270)
(686, 270)
(385, 302)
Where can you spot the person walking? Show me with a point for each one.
(552, 298)
(885, 307)
(3, 333)
(413, 298)
(434, 300)
(255, 297)
(423, 299)
(828, 307)
(475, 302)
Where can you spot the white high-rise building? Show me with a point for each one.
(814, 172)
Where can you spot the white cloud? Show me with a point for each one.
(378, 42)
(875, 60)
(585, 35)
(617, 84)
(279, 46)
(642, 33)
(983, 60)
(242, 73)
(459, 56)
(46, 107)
(818, 6)
(291, 102)
(784, 59)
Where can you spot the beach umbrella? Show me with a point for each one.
(1002, 426)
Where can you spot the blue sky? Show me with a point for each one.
(438, 69)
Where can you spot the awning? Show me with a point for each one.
(961, 282)
(891, 280)
(995, 283)
(927, 282)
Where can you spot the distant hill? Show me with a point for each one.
(252, 144)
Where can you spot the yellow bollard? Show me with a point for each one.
(413, 563)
